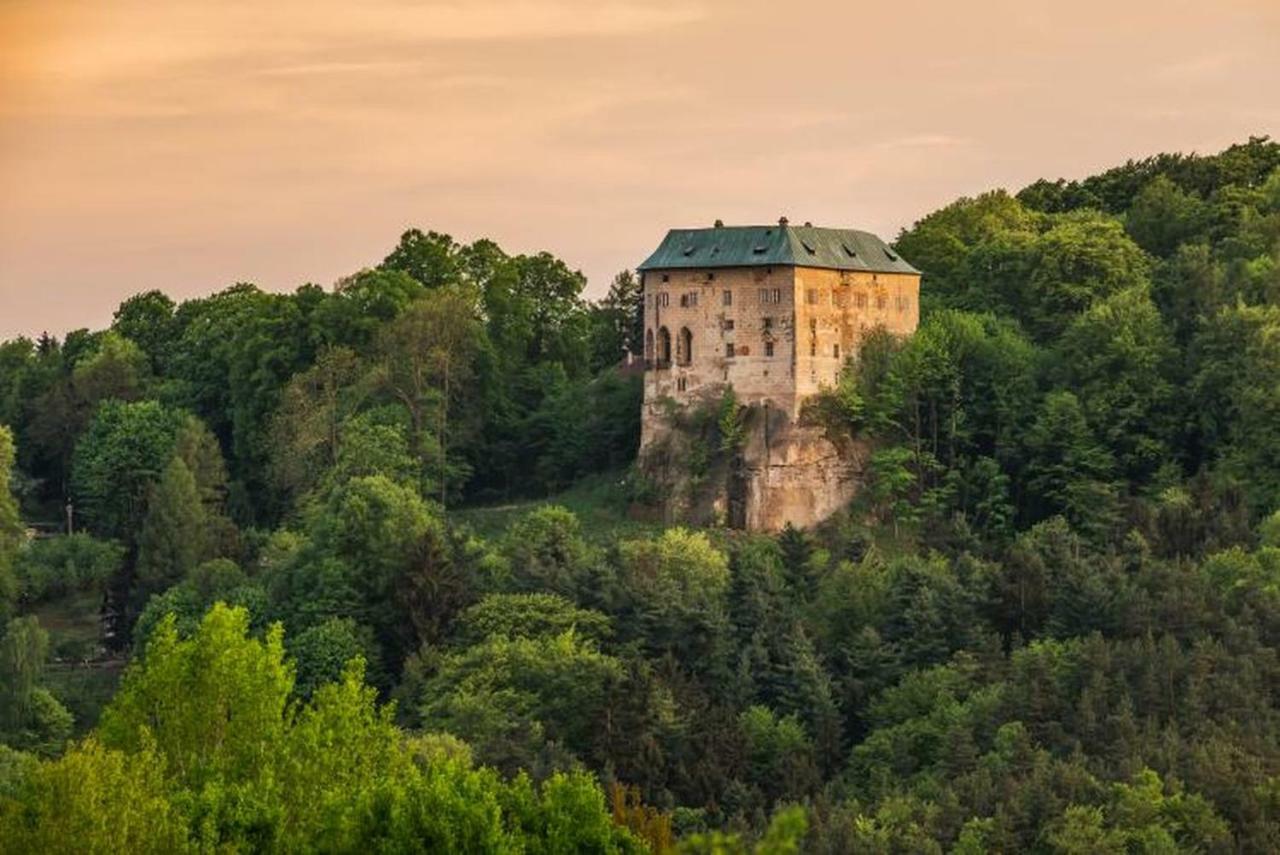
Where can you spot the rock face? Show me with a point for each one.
(795, 474)
(777, 472)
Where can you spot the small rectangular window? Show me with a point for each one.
(768, 323)
(684, 300)
(728, 324)
(777, 295)
(728, 297)
(728, 350)
(664, 299)
(835, 351)
(768, 348)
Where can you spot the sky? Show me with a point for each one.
(187, 145)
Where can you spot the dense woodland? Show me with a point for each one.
(317, 598)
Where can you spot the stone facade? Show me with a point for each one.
(777, 334)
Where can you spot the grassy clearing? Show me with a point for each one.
(600, 502)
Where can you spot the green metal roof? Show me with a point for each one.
(775, 246)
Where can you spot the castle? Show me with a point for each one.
(774, 312)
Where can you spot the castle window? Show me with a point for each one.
(768, 348)
(728, 350)
(684, 347)
(666, 277)
(812, 296)
(682, 384)
(728, 324)
(664, 299)
(664, 347)
(835, 350)
(728, 297)
(711, 277)
(689, 300)
(768, 323)
(770, 295)
(648, 345)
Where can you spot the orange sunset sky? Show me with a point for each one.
(188, 145)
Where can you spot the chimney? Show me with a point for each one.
(719, 224)
(782, 221)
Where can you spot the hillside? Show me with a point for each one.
(384, 580)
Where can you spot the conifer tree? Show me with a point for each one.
(173, 539)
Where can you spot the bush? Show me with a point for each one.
(55, 567)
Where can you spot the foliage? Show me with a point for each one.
(123, 452)
(54, 567)
(1048, 621)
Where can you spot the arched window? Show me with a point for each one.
(648, 345)
(664, 347)
(684, 347)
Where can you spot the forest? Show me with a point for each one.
(360, 568)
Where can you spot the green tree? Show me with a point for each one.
(427, 358)
(119, 457)
(96, 800)
(31, 719)
(175, 535)
(1067, 471)
(1082, 258)
(212, 704)
(431, 258)
(522, 701)
(528, 616)
(11, 531)
(676, 586)
(1163, 215)
(147, 319)
(547, 552)
(1119, 360)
